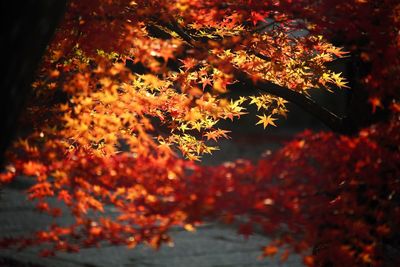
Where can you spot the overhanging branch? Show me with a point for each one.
(336, 123)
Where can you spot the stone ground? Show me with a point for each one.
(211, 245)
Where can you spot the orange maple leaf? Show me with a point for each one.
(270, 251)
(375, 102)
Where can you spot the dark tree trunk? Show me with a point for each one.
(27, 27)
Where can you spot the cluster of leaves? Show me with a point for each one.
(178, 81)
(369, 29)
(344, 207)
(131, 92)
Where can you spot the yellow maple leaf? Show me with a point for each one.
(266, 120)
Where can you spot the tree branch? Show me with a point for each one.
(173, 25)
(336, 123)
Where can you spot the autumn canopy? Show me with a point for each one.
(130, 94)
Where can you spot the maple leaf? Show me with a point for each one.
(209, 149)
(189, 227)
(63, 195)
(339, 81)
(337, 51)
(43, 207)
(257, 101)
(191, 156)
(256, 17)
(308, 260)
(281, 102)
(188, 63)
(216, 134)
(270, 250)
(375, 102)
(241, 100)
(266, 120)
(183, 127)
(6, 177)
(205, 81)
(197, 125)
(208, 123)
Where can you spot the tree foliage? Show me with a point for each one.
(129, 96)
